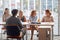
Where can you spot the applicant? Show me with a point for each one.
(48, 17)
(33, 18)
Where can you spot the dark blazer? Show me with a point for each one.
(13, 30)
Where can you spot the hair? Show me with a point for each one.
(14, 12)
(32, 13)
(21, 11)
(48, 11)
(6, 9)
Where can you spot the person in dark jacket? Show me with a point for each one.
(13, 30)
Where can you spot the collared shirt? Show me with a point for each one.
(47, 19)
(33, 19)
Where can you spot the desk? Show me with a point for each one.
(45, 29)
(46, 32)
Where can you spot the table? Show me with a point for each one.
(46, 32)
(44, 29)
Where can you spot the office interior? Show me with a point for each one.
(39, 5)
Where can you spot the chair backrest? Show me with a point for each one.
(12, 30)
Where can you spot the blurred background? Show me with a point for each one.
(28, 5)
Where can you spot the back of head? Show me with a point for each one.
(14, 12)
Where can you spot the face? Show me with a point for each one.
(34, 14)
(47, 14)
(7, 11)
(21, 13)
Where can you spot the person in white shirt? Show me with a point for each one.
(48, 17)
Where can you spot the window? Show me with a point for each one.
(40, 5)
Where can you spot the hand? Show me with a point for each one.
(24, 28)
(21, 34)
(36, 27)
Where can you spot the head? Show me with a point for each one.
(20, 13)
(33, 13)
(14, 12)
(47, 12)
(6, 11)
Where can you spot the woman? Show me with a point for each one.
(6, 14)
(33, 18)
(48, 17)
(21, 16)
(23, 19)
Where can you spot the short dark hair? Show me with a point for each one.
(14, 12)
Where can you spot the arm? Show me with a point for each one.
(3, 18)
(43, 19)
(24, 19)
(52, 19)
(20, 24)
(29, 19)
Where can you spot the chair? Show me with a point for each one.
(3, 28)
(30, 28)
(9, 28)
(14, 37)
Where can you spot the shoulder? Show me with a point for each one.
(9, 19)
(17, 18)
(30, 17)
(14, 18)
(51, 16)
(9, 15)
(44, 16)
(3, 15)
(35, 16)
(24, 17)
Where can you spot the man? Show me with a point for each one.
(13, 30)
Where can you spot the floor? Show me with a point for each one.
(56, 37)
(28, 37)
